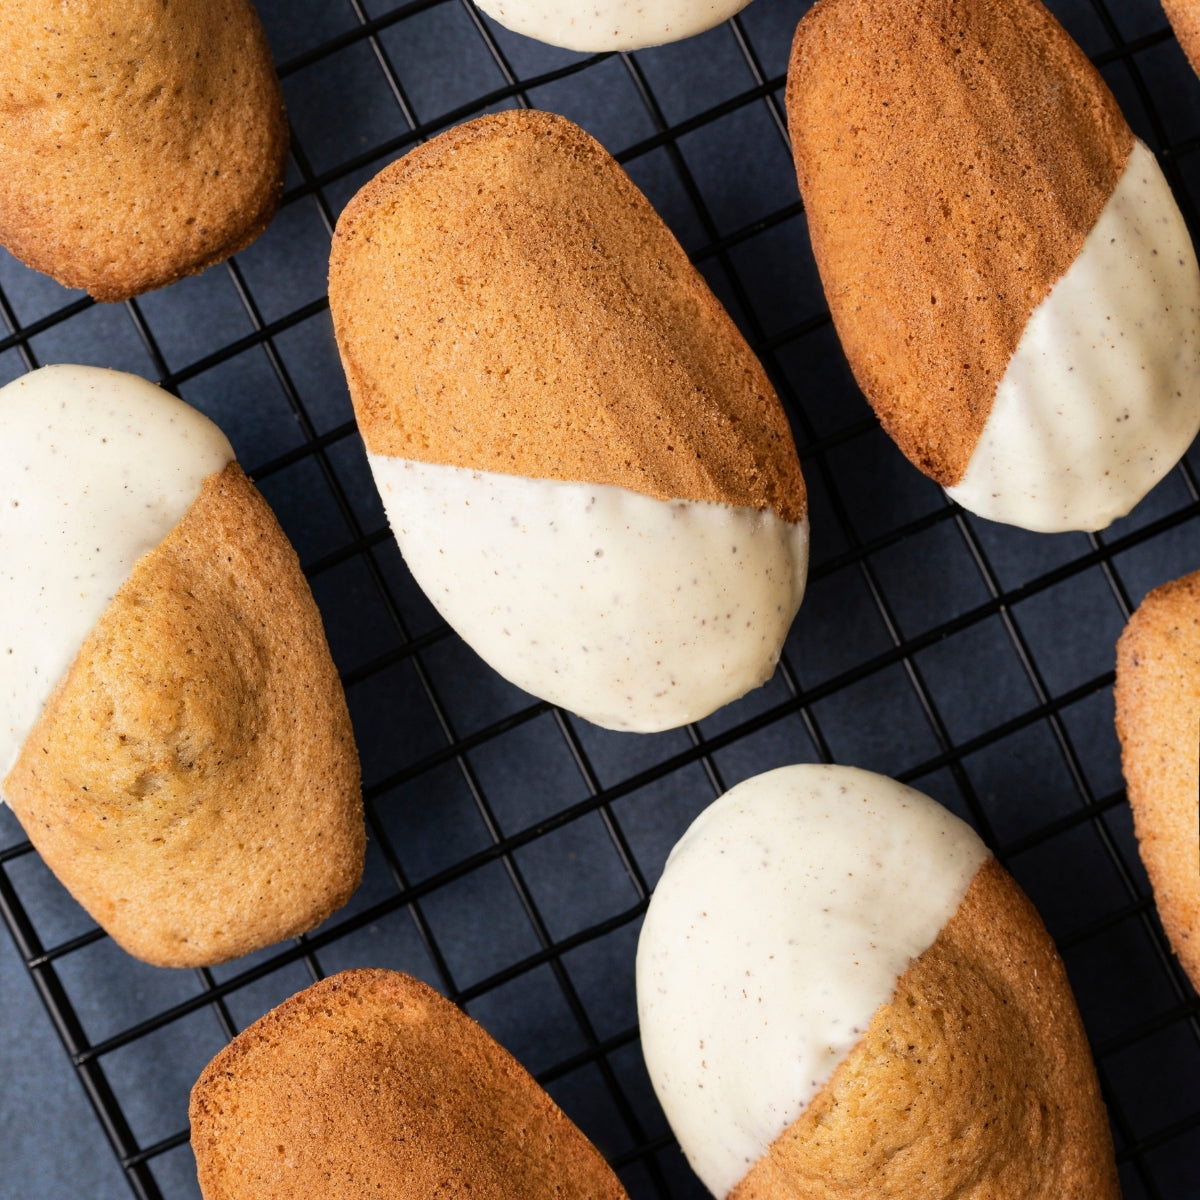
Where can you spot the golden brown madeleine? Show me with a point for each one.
(975, 1080)
(553, 401)
(371, 1084)
(506, 299)
(841, 994)
(1011, 278)
(1158, 722)
(140, 140)
(1184, 16)
(953, 156)
(193, 780)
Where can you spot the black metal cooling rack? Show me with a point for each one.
(513, 847)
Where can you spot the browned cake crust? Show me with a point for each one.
(1184, 16)
(139, 141)
(193, 781)
(1158, 722)
(975, 1082)
(952, 155)
(370, 1084)
(506, 299)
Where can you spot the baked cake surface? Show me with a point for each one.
(975, 1081)
(370, 1084)
(140, 141)
(1184, 16)
(953, 156)
(1158, 721)
(193, 780)
(506, 299)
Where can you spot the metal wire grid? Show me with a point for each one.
(974, 678)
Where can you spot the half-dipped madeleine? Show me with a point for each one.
(843, 995)
(173, 734)
(1011, 280)
(585, 466)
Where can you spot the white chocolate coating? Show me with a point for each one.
(633, 612)
(599, 25)
(781, 923)
(96, 468)
(1102, 395)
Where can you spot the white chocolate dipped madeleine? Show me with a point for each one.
(173, 735)
(585, 466)
(610, 24)
(371, 1084)
(140, 141)
(841, 994)
(1009, 275)
(1158, 721)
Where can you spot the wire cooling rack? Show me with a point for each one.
(513, 847)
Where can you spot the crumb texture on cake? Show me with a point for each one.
(370, 1084)
(975, 1081)
(139, 141)
(1158, 722)
(193, 780)
(952, 155)
(1184, 16)
(506, 299)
